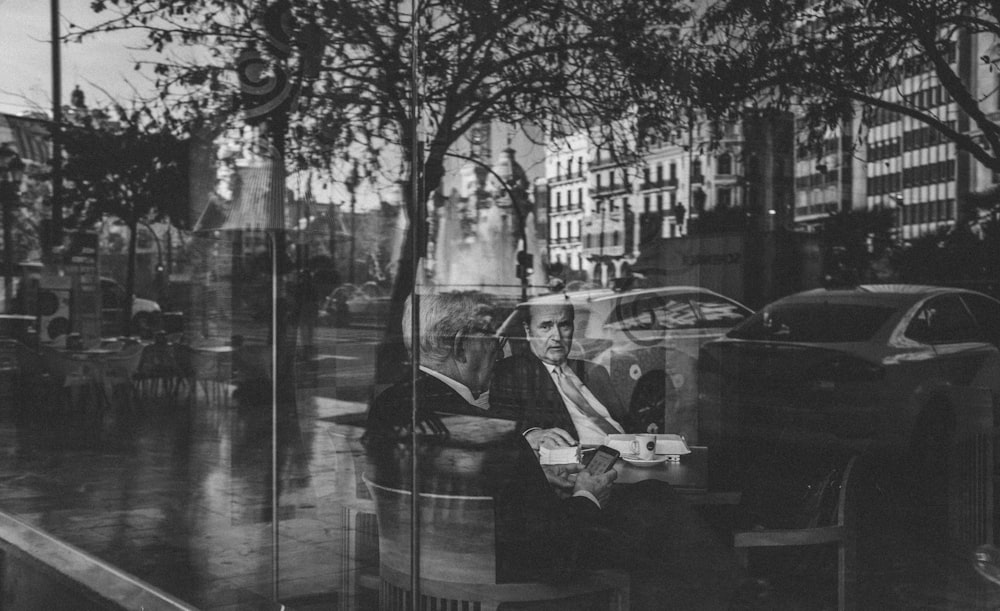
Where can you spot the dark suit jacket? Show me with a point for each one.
(523, 390)
(539, 535)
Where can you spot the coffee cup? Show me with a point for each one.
(643, 446)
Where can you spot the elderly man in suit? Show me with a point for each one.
(560, 400)
(543, 532)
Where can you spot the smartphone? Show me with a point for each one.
(602, 460)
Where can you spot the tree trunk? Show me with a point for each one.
(391, 355)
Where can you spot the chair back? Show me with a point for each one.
(457, 534)
(121, 367)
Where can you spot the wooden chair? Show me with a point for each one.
(458, 557)
(840, 532)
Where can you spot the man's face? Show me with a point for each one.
(550, 333)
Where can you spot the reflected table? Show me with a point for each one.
(688, 475)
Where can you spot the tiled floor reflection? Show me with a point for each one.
(179, 495)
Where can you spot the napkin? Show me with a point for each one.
(559, 456)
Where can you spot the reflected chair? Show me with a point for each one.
(209, 370)
(160, 375)
(118, 374)
(77, 375)
(458, 558)
(839, 531)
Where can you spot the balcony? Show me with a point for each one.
(613, 189)
(668, 183)
(697, 179)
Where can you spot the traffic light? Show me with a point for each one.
(525, 264)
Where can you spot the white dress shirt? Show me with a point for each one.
(483, 402)
(588, 432)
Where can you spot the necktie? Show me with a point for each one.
(569, 388)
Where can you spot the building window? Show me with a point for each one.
(723, 198)
(645, 204)
(673, 172)
(725, 164)
(659, 203)
(558, 169)
(659, 174)
(558, 201)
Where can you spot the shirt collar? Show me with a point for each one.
(481, 402)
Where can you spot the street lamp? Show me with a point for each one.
(11, 172)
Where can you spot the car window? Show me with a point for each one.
(987, 314)
(943, 320)
(814, 322)
(718, 312)
(653, 313)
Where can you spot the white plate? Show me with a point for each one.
(641, 462)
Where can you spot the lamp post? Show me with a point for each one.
(11, 172)
(351, 183)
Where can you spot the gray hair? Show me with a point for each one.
(442, 317)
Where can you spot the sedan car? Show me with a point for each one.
(872, 365)
(648, 339)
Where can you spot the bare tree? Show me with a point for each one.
(347, 67)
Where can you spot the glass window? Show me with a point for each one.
(653, 313)
(987, 314)
(725, 164)
(718, 312)
(943, 320)
(817, 322)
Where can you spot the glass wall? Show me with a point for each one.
(395, 273)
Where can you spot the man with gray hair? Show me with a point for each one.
(542, 532)
(537, 529)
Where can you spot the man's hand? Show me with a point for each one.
(562, 478)
(549, 438)
(598, 485)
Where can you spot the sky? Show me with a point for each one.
(102, 67)
(26, 58)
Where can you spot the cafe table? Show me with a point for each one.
(688, 474)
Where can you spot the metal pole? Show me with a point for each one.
(416, 230)
(353, 238)
(8, 195)
(55, 229)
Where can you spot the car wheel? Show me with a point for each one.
(653, 395)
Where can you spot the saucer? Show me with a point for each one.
(642, 462)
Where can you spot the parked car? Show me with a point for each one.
(146, 314)
(648, 339)
(875, 364)
(365, 305)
